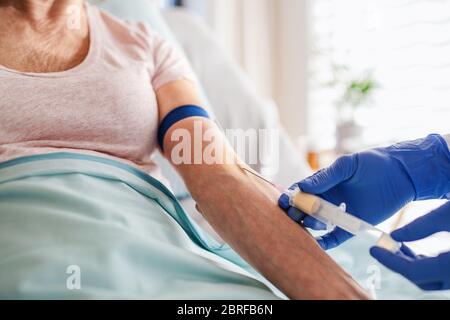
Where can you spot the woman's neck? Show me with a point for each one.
(43, 35)
(41, 13)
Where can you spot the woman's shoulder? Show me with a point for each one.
(122, 31)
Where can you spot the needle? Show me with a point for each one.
(259, 176)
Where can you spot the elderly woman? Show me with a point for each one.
(75, 80)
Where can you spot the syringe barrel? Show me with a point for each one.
(330, 214)
(326, 212)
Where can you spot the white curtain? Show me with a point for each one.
(268, 39)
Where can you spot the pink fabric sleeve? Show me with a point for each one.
(170, 64)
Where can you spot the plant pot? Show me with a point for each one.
(349, 137)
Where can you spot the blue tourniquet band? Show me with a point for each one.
(177, 115)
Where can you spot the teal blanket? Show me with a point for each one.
(74, 226)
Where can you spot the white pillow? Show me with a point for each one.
(138, 10)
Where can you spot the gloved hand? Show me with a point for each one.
(377, 183)
(427, 273)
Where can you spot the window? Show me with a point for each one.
(403, 44)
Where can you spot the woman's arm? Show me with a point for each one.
(244, 211)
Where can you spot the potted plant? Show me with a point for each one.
(354, 92)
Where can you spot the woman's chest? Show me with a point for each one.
(47, 52)
(104, 107)
(42, 60)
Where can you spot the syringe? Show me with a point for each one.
(332, 215)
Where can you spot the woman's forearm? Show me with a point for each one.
(243, 210)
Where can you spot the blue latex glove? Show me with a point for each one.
(377, 183)
(427, 273)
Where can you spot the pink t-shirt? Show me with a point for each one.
(106, 106)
